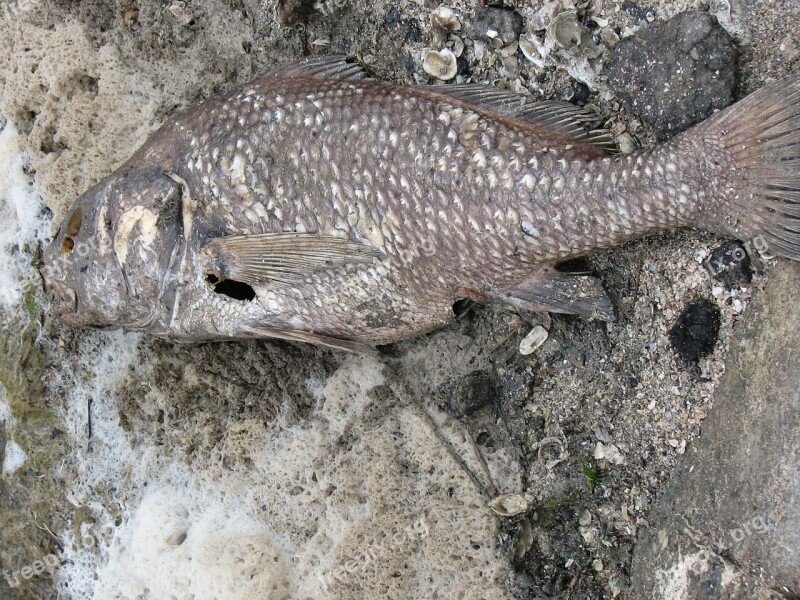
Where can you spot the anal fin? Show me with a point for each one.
(551, 291)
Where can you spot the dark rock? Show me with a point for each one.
(729, 523)
(636, 11)
(497, 25)
(676, 73)
(470, 393)
(730, 264)
(695, 332)
(294, 12)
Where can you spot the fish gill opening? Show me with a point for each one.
(237, 290)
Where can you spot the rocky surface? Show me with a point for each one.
(676, 73)
(729, 523)
(318, 456)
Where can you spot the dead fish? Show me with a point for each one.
(318, 205)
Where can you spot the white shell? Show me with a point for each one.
(445, 17)
(509, 505)
(534, 339)
(440, 64)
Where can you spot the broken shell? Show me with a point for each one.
(509, 50)
(479, 49)
(180, 12)
(456, 45)
(565, 30)
(441, 64)
(534, 49)
(534, 339)
(445, 18)
(542, 17)
(509, 505)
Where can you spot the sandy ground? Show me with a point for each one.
(133, 468)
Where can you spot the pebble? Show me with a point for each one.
(730, 264)
(537, 336)
(608, 452)
(498, 26)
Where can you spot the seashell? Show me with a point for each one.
(445, 18)
(534, 48)
(543, 17)
(509, 505)
(456, 45)
(441, 64)
(534, 339)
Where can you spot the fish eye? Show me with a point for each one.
(67, 244)
(74, 223)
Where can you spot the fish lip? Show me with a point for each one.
(66, 300)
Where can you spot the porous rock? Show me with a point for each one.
(675, 73)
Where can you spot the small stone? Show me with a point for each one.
(537, 336)
(441, 64)
(585, 517)
(609, 453)
(180, 12)
(730, 264)
(294, 12)
(498, 26)
(597, 565)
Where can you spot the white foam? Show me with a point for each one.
(14, 459)
(23, 218)
(276, 510)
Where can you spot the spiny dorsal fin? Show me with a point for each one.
(282, 257)
(333, 66)
(551, 291)
(564, 118)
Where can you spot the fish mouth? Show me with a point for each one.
(66, 301)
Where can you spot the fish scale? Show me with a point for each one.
(315, 204)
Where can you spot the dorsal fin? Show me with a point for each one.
(283, 257)
(563, 118)
(332, 66)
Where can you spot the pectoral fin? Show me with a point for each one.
(282, 257)
(551, 291)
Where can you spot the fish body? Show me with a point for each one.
(315, 204)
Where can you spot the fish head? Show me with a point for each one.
(109, 263)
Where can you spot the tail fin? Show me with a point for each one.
(760, 138)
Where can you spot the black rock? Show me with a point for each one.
(676, 73)
(695, 332)
(470, 393)
(730, 264)
(503, 24)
